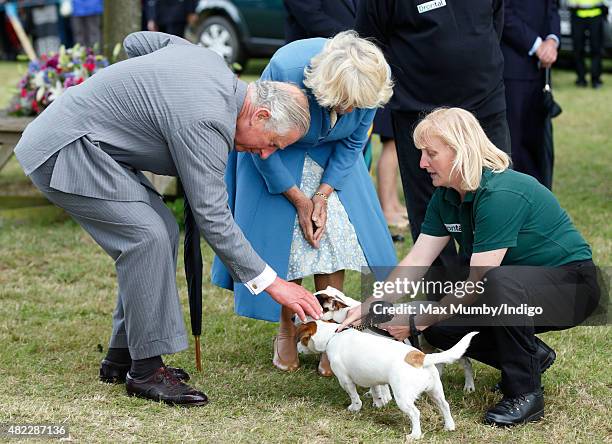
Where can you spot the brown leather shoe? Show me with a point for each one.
(114, 372)
(285, 353)
(164, 386)
(324, 367)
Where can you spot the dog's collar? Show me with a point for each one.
(373, 328)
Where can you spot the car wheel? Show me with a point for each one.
(219, 35)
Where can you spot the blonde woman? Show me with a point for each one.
(500, 218)
(317, 212)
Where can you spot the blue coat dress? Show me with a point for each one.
(255, 186)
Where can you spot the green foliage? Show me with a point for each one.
(177, 206)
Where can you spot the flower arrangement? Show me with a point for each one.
(48, 77)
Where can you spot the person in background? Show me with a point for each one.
(529, 43)
(317, 18)
(386, 174)
(441, 54)
(8, 41)
(588, 15)
(86, 21)
(170, 16)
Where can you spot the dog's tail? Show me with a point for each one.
(419, 359)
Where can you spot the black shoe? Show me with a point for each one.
(164, 386)
(114, 372)
(581, 83)
(545, 355)
(511, 411)
(596, 84)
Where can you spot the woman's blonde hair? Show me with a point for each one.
(459, 130)
(349, 72)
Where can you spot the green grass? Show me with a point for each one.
(57, 293)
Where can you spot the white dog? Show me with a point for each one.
(336, 305)
(361, 359)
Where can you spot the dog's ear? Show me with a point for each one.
(322, 298)
(337, 305)
(305, 331)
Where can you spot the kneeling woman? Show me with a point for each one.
(311, 209)
(499, 217)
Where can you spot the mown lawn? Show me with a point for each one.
(57, 293)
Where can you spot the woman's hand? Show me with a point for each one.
(319, 217)
(399, 332)
(353, 317)
(304, 208)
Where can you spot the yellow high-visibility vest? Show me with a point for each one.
(586, 8)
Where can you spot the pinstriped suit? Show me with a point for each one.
(170, 109)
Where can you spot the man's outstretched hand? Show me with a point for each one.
(296, 298)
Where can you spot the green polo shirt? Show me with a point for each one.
(509, 210)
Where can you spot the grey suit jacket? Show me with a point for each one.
(171, 109)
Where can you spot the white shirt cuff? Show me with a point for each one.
(261, 282)
(554, 37)
(535, 46)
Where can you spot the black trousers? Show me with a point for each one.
(594, 26)
(174, 28)
(567, 296)
(417, 185)
(525, 109)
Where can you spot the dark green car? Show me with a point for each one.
(240, 29)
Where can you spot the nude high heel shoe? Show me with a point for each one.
(285, 353)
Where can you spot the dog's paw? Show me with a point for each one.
(413, 436)
(450, 425)
(379, 403)
(386, 394)
(354, 408)
(469, 387)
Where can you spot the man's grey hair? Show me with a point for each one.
(287, 103)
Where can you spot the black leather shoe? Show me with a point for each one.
(114, 372)
(511, 411)
(545, 355)
(164, 386)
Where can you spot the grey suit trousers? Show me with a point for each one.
(142, 238)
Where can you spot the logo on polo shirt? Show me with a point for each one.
(453, 228)
(428, 6)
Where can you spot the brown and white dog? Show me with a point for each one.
(336, 305)
(365, 360)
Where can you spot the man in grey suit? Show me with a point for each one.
(172, 108)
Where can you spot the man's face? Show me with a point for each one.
(253, 137)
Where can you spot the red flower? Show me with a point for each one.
(79, 81)
(35, 106)
(89, 66)
(24, 92)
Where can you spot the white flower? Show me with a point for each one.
(55, 91)
(39, 79)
